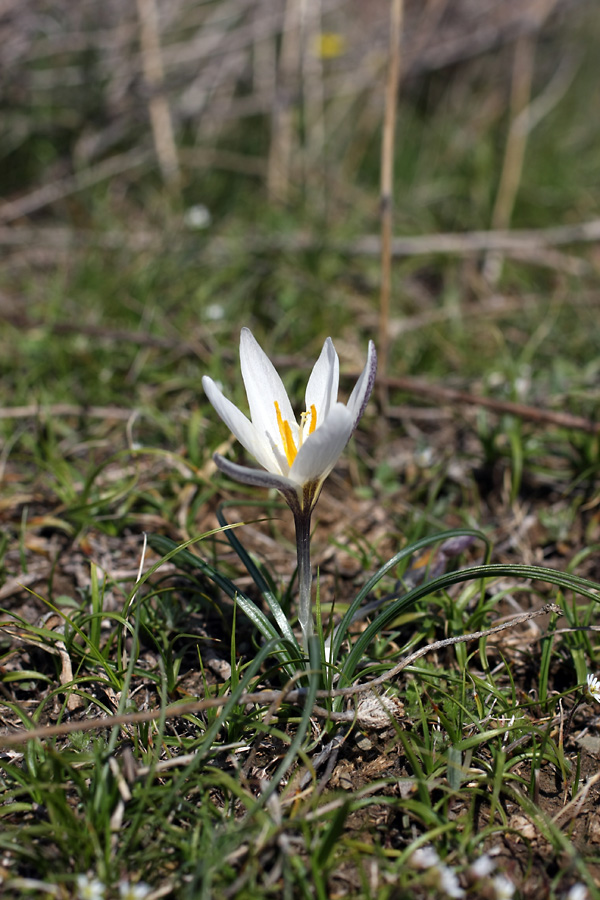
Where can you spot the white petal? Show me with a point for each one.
(241, 427)
(322, 387)
(264, 387)
(322, 449)
(292, 493)
(255, 477)
(363, 387)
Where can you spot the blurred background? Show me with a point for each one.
(174, 170)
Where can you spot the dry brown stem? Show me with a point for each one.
(514, 153)
(387, 179)
(267, 697)
(71, 184)
(525, 244)
(441, 394)
(158, 105)
(283, 137)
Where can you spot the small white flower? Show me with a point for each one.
(449, 883)
(197, 216)
(578, 891)
(503, 887)
(445, 878)
(90, 888)
(137, 891)
(297, 456)
(593, 686)
(424, 858)
(482, 867)
(214, 312)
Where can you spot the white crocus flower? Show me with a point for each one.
(593, 686)
(296, 456)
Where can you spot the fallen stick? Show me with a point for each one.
(265, 697)
(507, 407)
(409, 385)
(466, 243)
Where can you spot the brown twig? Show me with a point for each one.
(33, 410)
(436, 392)
(266, 697)
(472, 242)
(530, 413)
(141, 338)
(64, 187)
(519, 242)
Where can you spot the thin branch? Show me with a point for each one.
(472, 242)
(64, 187)
(33, 410)
(530, 413)
(139, 338)
(265, 697)
(519, 242)
(573, 808)
(436, 392)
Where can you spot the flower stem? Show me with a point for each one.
(305, 618)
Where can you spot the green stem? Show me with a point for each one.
(305, 618)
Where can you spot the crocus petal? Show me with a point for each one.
(241, 427)
(264, 388)
(321, 450)
(255, 477)
(322, 387)
(363, 387)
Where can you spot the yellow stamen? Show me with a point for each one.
(289, 447)
(287, 438)
(312, 415)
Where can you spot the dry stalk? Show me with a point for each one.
(573, 808)
(514, 154)
(503, 407)
(64, 187)
(281, 148)
(387, 183)
(409, 385)
(526, 244)
(160, 114)
(313, 101)
(33, 410)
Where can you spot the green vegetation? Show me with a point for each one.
(442, 519)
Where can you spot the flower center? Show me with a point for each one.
(287, 438)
